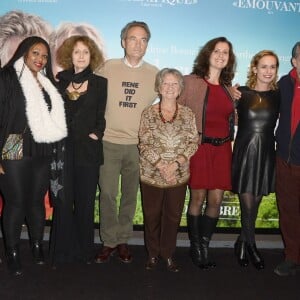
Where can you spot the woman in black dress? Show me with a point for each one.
(254, 149)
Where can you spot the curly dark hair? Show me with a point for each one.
(64, 52)
(201, 62)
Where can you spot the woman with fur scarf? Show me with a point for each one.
(31, 106)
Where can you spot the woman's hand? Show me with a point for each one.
(1, 170)
(93, 136)
(168, 171)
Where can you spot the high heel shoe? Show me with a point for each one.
(255, 257)
(240, 251)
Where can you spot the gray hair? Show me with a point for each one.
(161, 75)
(15, 26)
(135, 24)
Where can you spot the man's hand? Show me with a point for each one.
(235, 93)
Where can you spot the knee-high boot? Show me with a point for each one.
(193, 223)
(13, 260)
(207, 227)
(37, 252)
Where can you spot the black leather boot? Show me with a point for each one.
(255, 257)
(240, 251)
(193, 223)
(13, 261)
(208, 226)
(37, 252)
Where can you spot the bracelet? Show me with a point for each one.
(178, 163)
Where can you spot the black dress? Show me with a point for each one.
(253, 159)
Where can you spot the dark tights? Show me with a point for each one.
(249, 208)
(24, 186)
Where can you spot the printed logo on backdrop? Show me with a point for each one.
(270, 6)
(38, 1)
(161, 3)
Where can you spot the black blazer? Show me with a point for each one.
(89, 118)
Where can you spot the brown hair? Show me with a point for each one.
(201, 62)
(64, 52)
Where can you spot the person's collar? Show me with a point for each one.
(127, 63)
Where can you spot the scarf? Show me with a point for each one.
(71, 76)
(295, 113)
(46, 126)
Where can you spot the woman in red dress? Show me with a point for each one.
(206, 93)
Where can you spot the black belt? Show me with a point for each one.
(215, 141)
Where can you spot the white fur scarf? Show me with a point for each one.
(46, 126)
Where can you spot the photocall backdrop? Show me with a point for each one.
(179, 28)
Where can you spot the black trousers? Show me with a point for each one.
(24, 186)
(72, 233)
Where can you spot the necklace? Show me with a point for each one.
(80, 85)
(162, 117)
(74, 95)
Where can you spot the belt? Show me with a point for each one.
(215, 141)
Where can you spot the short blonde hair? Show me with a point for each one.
(252, 77)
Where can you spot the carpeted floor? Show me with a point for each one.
(115, 280)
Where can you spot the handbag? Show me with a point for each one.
(13, 147)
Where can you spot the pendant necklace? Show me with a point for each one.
(162, 117)
(74, 95)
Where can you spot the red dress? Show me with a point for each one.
(211, 165)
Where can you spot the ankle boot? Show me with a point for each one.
(208, 226)
(13, 261)
(240, 251)
(193, 223)
(37, 252)
(255, 257)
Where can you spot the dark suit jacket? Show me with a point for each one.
(89, 118)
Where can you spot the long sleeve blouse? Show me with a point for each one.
(167, 141)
